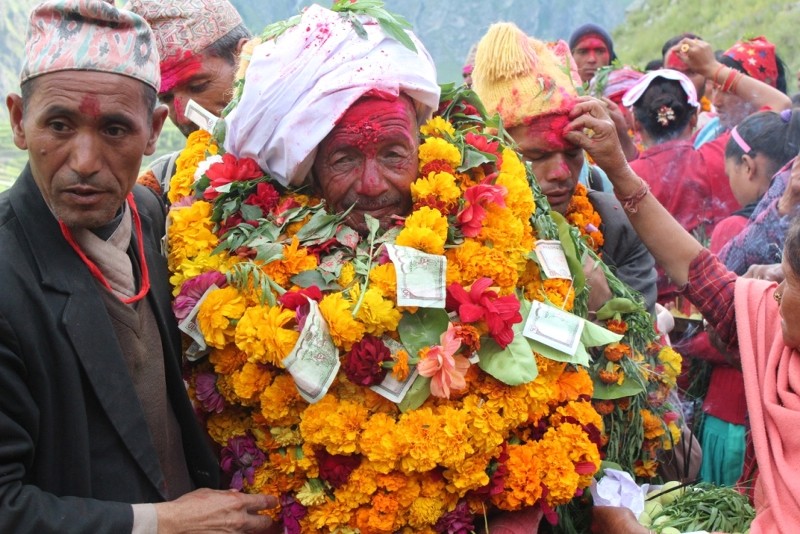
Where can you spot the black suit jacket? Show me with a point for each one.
(74, 444)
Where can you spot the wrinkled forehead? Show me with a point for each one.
(377, 106)
(544, 134)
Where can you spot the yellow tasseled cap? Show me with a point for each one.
(520, 77)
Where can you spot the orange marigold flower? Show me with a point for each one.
(645, 468)
(618, 326)
(615, 351)
(604, 407)
(608, 377)
(400, 370)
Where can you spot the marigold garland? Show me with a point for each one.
(354, 461)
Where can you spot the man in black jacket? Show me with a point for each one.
(96, 431)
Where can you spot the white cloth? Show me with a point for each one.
(298, 85)
(633, 94)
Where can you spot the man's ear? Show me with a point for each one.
(240, 45)
(157, 122)
(15, 116)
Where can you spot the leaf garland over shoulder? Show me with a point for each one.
(366, 415)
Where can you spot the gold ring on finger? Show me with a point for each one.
(684, 48)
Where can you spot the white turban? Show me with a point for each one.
(298, 86)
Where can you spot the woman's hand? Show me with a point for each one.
(698, 56)
(593, 130)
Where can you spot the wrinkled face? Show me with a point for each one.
(731, 109)
(555, 163)
(85, 136)
(789, 290)
(590, 54)
(208, 80)
(369, 160)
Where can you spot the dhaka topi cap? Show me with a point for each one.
(298, 85)
(89, 35)
(757, 56)
(521, 78)
(184, 28)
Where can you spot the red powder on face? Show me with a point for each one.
(363, 119)
(180, 108)
(176, 70)
(551, 129)
(672, 61)
(592, 42)
(90, 106)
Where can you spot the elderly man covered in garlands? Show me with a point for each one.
(356, 294)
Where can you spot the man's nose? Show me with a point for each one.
(372, 182)
(557, 169)
(86, 156)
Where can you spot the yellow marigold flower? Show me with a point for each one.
(286, 436)
(437, 127)
(377, 314)
(504, 231)
(250, 381)
(334, 425)
(560, 292)
(218, 313)
(434, 148)
(379, 442)
(347, 275)
(295, 260)
(228, 424)
(653, 425)
(185, 165)
(523, 483)
(425, 511)
(261, 334)
(646, 468)
(471, 260)
(281, 404)
(344, 329)
(513, 177)
(469, 475)
(227, 359)
(673, 437)
(425, 230)
(420, 430)
(581, 411)
(191, 232)
(440, 185)
(197, 266)
(384, 278)
(672, 361)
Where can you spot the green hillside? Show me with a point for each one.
(649, 23)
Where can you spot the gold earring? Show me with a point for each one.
(777, 296)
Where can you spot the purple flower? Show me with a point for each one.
(193, 289)
(207, 393)
(291, 514)
(459, 521)
(241, 457)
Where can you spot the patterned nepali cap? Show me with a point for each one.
(757, 56)
(89, 35)
(184, 26)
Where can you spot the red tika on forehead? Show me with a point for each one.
(363, 117)
(551, 128)
(591, 40)
(177, 69)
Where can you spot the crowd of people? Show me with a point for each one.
(324, 155)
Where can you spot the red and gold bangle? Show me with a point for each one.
(716, 73)
(631, 202)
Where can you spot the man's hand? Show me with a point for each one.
(615, 520)
(625, 141)
(214, 511)
(593, 130)
(790, 200)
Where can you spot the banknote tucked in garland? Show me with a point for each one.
(411, 379)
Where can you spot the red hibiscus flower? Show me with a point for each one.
(291, 300)
(482, 303)
(230, 169)
(362, 365)
(477, 198)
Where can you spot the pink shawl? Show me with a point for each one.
(772, 387)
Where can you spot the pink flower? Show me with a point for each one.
(207, 393)
(482, 303)
(193, 289)
(443, 366)
(478, 197)
(230, 169)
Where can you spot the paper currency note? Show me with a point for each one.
(200, 116)
(421, 277)
(314, 360)
(391, 388)
(189, 326)
(552, 259)
(553, 327)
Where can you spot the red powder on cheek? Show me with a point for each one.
(672, 61)
(90, 106)
(180, 108)
(177, 69)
